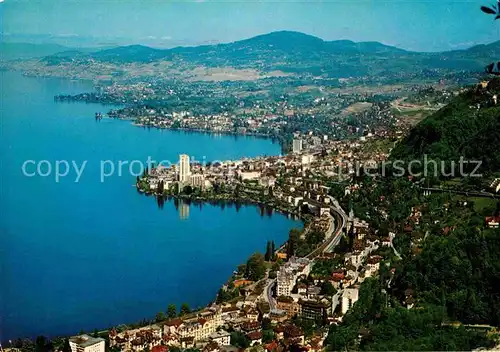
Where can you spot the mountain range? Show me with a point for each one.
(294, 52)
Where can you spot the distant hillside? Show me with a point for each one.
(299, 53)
(469, 126)
(15, 51)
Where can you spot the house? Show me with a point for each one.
(312, 310)
(493, 222)
(171, 326)
(278, 316)
(290, 272)
(409, 300)
(373, 264)
(187, 342)
(137, 339)
(301, 289)
(221, 337)
(212, 346)
(201, 325)
(495, 185)
(241, 282)
(252, 314)
(272, 346)
(255, 338)
(159, 348)
(248, 327)
(294, 334)
(287, 304)
(85, 343)
(252, 175)
(313, 292)
(279, 331)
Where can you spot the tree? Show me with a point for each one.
(256, 267)
(184, 309)
(239, 339)
(160, 316)
(42, 344)
(267, 336)
(188, 190)
(269, 252)
(242, 269)
(171, 311)
(293, 242)
(66, 346)
(266, 324)
(161, 187)
(328, 289)
(493, 10)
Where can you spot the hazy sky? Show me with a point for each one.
(411, 24)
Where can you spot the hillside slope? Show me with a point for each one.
(295, 52)
(469, 126)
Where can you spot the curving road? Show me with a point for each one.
(334, 233)
(333, 236)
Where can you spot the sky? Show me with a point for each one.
(419, 25)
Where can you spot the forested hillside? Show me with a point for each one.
(444, 293)
(469, 126)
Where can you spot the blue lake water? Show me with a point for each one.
(95, 254)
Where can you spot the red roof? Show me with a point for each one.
(338, 276)
(271, 346)
(492, 219)
(174, 322)
(254, 335)
(159, 349)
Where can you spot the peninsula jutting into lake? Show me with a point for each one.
(226, 176)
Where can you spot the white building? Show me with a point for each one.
(249, 175)
(197, 180)
(349, 297)
(307, 159)
(289, 273)
(297, 145)
(184, 168)
(85, 343)
(495, 185)
(223, 338)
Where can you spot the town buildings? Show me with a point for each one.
(290, 272)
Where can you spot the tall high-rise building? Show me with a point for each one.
(297, 145)
(184, 168)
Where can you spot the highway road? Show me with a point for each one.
(339, 222)
(332, 238)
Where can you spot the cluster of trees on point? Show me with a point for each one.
(269, 256)
(172, 312)
(255, 267)
(301, 247)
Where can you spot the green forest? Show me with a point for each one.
(450, 267)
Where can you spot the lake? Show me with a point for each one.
(92, 254)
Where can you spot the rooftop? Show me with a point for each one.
(85, 340)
